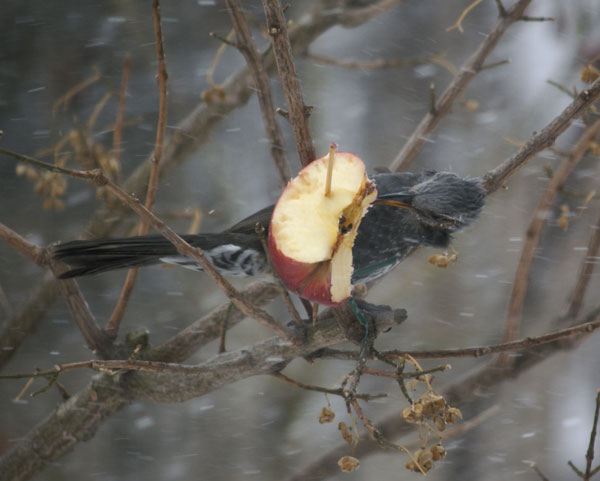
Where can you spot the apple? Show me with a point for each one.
(314, 225)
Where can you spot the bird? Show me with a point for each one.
(411, 210)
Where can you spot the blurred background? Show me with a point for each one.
(261, 429)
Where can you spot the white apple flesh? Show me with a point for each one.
(312, 233)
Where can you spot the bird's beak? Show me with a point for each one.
(398, 199)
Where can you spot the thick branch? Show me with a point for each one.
(74, 421)
(268, 356)
(78, 418)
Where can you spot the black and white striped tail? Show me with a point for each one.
(234, 254)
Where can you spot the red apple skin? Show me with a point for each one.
(294, 274)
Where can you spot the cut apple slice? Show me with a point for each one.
(313, 228)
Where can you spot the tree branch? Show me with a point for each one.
(297, 110)
(246, 46)
(78, 418)
(22, 245)
(496, 178)
(469, 69)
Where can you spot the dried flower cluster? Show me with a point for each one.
(348, 464)
(50, 185)
(82, 149)
(326, 415)
(433, 414)
(91, 155)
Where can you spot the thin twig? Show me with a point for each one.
(589, 455)
(404, 375)
(479, 351)
(465, 12)
(31, 251)
(224, 41)
(246, 46)
(161, 126)
(537, 471)
(577, 471)
(492, 65)
(333, 391)
(376, 64)
(118, 132)
(562, 88)
(297, 111)
(525, 18)
(444, 103)
(496, 177)
(111, 365)
(113, 324)
(211, 70)
(80, 174)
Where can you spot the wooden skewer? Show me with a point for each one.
(332, 148)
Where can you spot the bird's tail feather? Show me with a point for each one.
(101, 255)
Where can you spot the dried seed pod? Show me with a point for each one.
(439, 422)
(413, 413)
(438, 452)
(348, 464)
(452, 415)
(326, 415)
(346, 432)
(433, 403)
(423, 455)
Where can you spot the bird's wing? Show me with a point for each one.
(248, 225)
